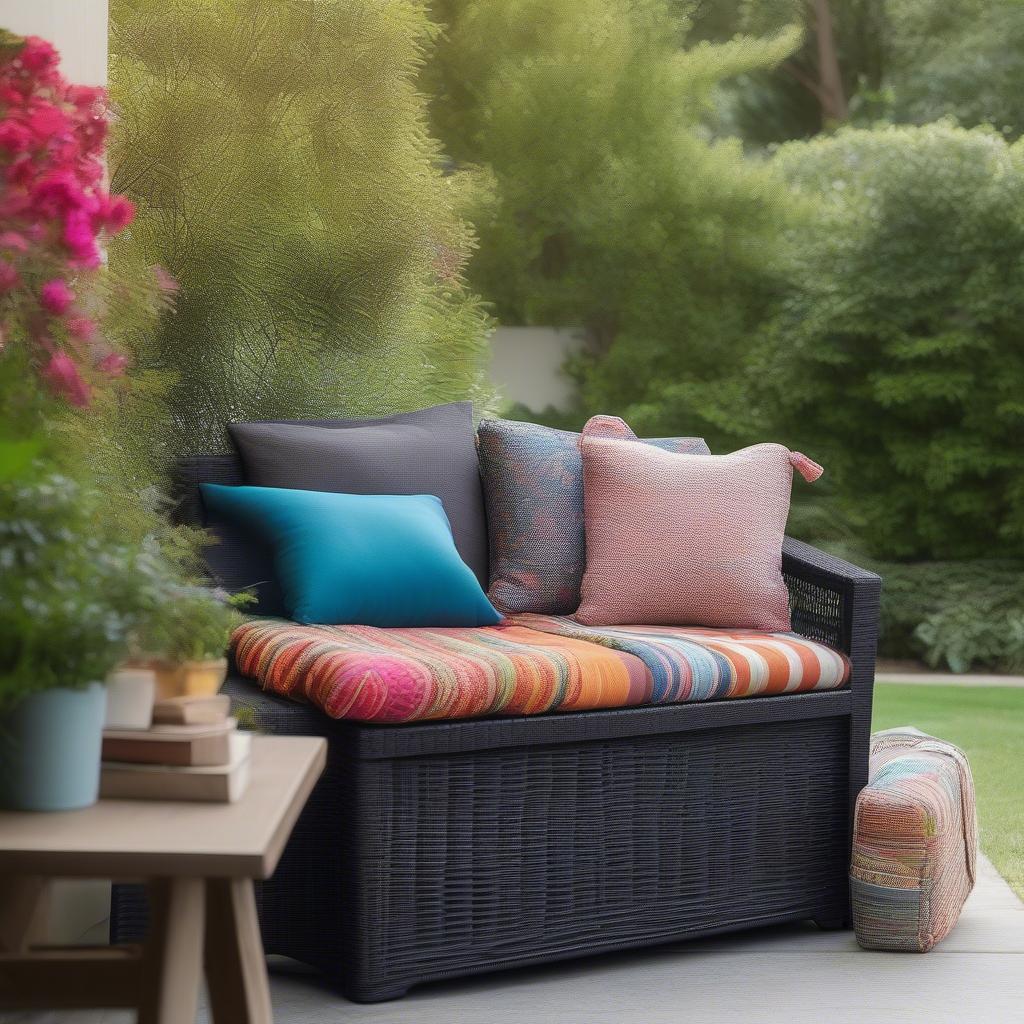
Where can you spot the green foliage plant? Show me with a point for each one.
(614, 213)
(896, 353)
(68, 593)
(283, 173)
(957, 616)
(76, 598)
(962, 60)
(185, 621)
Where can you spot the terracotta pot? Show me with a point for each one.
(189, 678)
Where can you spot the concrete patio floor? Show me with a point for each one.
(785, 975)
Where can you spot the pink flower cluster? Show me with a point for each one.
(53, 212)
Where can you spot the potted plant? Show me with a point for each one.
(70, 575)
(185, 632)
(66, 619)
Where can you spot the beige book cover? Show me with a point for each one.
(213, 783)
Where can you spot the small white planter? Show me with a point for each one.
(130, 696)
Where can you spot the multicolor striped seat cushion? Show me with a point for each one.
(915, 842)
(525, 666)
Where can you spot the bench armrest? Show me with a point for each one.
(832, 600)
(837, 603)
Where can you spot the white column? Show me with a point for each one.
(77, 28)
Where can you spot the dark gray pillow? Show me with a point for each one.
(430, 451)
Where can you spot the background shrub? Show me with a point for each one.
(955, 615)
(896, 354)
(278, 154)
(962, 59)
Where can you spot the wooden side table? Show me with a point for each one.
(198, 861)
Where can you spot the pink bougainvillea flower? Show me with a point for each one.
(81, 327)
(53, 209)
(56, 297)
(92, 133)
(47, 121)
(38, 56)
(81, 240)
(20, 172)
(115, 213)
(14, 137)
(59, 193)
(61, 374)
(9, 277)
(12, 241)
(91, 171)
(113, 364)
(86, 96)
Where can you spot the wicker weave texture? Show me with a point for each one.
(447, 866)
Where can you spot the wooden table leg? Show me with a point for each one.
(236, 969)
(173, 953)
(23, 907)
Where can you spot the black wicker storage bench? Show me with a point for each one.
(441, 849)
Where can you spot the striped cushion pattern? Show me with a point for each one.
(695, 663)
(915, 842)
(525, 666)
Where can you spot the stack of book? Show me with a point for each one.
(192, 751)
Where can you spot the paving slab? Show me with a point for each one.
(791, 974)
(947, 679)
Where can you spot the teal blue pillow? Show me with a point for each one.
(360, 559)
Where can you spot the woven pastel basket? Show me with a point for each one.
(914, 843)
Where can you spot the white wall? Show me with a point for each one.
(78, 28)
(526, 365)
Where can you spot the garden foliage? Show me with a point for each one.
(858, 295)
(902, 61)
(66, 590)
(896, 354)
(278, 155)
(614, 213)
(955, 615)
(962, 59)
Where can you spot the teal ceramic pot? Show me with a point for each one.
(50, 750)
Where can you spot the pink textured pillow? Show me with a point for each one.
(692, 540)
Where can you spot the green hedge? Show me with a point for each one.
(955, 615)
(896, 353)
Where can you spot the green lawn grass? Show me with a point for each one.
(988, 724)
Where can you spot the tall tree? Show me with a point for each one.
(614, 213)
(829, 89)
(837, 73)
